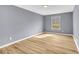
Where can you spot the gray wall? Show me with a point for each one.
(18, 23)
(66, 23)
(76, 24)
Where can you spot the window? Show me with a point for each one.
(55, 23)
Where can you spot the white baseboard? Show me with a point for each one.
(18, 40)
(76, 43)
(64, 34)
(60, 33)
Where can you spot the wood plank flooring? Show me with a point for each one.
(43, 44)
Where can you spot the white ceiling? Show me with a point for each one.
(51, 9)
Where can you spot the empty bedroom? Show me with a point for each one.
(39, 29)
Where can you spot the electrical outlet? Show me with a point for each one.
(10, 38)
(62, 31)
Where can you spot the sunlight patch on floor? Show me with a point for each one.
(43, 36)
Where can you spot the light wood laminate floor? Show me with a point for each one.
(43, 44)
